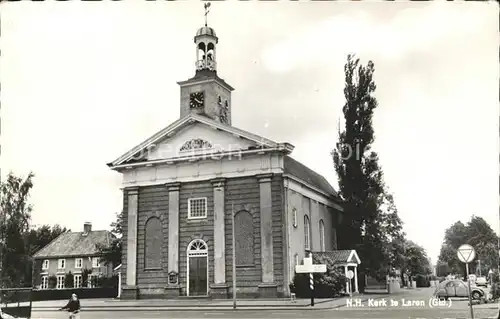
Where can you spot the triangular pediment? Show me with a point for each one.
(198, 138)
(192, 136)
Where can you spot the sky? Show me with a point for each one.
(83, 82)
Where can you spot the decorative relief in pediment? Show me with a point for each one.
(195, 144)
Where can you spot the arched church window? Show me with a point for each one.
(307, 233)
(244, 238)
(153, 242)
(322, 235)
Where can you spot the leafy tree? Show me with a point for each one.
(477, 233)
(35, 239)
(39, 237)
(372, 225)
(15, 215)
(112, 254)
(417, 259)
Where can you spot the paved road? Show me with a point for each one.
(341, 313)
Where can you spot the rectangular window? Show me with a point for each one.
(60, 282)
(45, 264)
(197, 208)
(77, 281)
(95, 262)
(61, 264)
(78, 262)
(45, 282)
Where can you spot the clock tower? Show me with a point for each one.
(206, 93)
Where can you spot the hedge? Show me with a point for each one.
(15, 296)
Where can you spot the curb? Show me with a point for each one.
(213, 308)
(183, 309)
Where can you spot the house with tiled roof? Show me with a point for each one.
(73, 252)
(201, 188)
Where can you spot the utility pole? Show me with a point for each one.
(479, 265)
(234, 256)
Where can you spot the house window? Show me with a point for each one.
(45, 264)
(152, 244)
(244, 239)
(294, 217)
(77, 281)
(78, 263)
(61, 264)
(60, 282)
(307, 233)
(322, 235)
(197, 208)
(95, 262)
(45, 282)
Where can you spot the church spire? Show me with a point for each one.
(206, 41)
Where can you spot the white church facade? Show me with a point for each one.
(183, 185)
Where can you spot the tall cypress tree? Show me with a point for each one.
(360, 177)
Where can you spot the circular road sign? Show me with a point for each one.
(350, 274)
(466, 253)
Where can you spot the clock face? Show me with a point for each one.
(196, 100)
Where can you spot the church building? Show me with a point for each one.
(189, 187)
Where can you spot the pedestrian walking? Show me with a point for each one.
(73, 307)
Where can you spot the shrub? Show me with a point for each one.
(326, 285)
(106, 282)
(69, 280)
(422, 280)
(85, 277)
(52, 282)
(495, 287)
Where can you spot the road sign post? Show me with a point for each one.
(350, 275)
(310, 268)
(466, 254)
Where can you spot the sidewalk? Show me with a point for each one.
(204, 304)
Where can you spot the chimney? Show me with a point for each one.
(87, 227)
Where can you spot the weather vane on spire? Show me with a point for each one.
(207, 10)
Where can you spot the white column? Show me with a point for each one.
(356, 279)
(119, 284)
(132, 195)
(219, 232)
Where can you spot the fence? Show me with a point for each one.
(16, 301)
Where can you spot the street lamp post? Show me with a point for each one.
(234, 256)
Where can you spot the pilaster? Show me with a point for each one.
(266, 231)
(219, 232)
(172, 288)
(132, 198)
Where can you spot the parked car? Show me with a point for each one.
(482, 281)
(457, 288)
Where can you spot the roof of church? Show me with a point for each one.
(299, 170)
(75, 244)
(206, 74)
